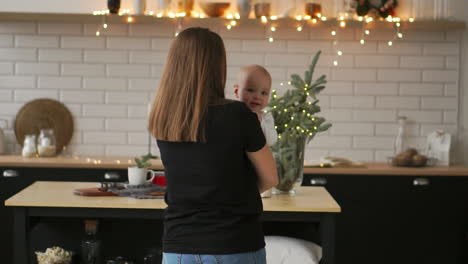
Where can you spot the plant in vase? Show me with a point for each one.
(137, 175)
(296, 124)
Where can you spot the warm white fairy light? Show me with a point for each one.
(299, 28)
(411, 19)
(270, 39)
(319, 15)
(264, 19)
(339, 53)
(314, 21)
(228, 27)
(159, 15)
(273, 29)
(298, 18)
(274, 17)
(233, 23)
(389, 19)
(362, 41)
(335, 63)
(390, 43)
(105, 25)
(130, 19)
(333, 33)
(398, 24)
(229, 16)
(367, 32)
(237, 16)
(151, 13)
(172, 15)
(400, 35)
(98, 33)
(361, 18)
(307, 17)
(369, 19)
(323, 18)
(342, 24)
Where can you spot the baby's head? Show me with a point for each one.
(253, 87)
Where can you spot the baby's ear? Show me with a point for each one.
(236, 90)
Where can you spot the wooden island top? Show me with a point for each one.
(60, 194)
(109, 162)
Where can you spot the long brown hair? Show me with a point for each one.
(193, 78)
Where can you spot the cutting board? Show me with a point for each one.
(92, 192)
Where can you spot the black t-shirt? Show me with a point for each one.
(214, 205)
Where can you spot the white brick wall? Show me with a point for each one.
(106, 81)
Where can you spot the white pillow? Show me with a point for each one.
(289, 250)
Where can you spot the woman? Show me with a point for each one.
(215, 158)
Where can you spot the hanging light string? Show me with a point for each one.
(103, 26)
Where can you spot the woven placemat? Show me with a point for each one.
(42, 114)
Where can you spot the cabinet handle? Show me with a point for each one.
(10, 173)
(111, 176)
(318, 181)
(421, 182)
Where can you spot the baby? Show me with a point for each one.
(253, 88)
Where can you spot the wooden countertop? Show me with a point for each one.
(108, 162)
(60, 194)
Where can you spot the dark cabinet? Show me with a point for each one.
(399, 219)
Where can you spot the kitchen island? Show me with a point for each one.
(56, 199)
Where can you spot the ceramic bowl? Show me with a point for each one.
(214, 9)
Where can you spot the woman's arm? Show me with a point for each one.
(265, 166)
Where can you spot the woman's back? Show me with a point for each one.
(213, 200)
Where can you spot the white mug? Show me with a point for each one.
(139, 176)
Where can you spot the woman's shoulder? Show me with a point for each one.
(231, 104)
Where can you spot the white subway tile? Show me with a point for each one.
(392, 129)
(361, 88)
(400, 48)
(10, 108)
(313, 154)
(106, 137)
(379, 34)
(338, 88)
(144, 84)
(354, 74)
(422, 62)
(250, 32)
(160, 29)
(89, 124)
(352, 129)
(137, 111)
(101, 110)
(60, 29)
(232, 45)
(26, 41)
(162, 43)
(18, 54)
(421, 89)
(128, 70)
(325, 33)
(422, 116)
(105, 83)
(138, 138)
(334, 115)
(344, 61)
(424, 36)
(75, 140)
(440, 49)
(65, 55)
(5, 96)
(17, 27)
(330, 142)
(6, 41)
(138, 125)
(13, 82)
(374, 115)
(106, 56)
(83, 42)
(374, 142)
(357, 155)
(355, 47)
(6, 68)
(150, 57)
(112, 30)
(291, 33)
(451, 90)
(451, 62)
(440, 76)
(28, 95)
(383, 155)
(27, 68)
(453, 35)
(439, 103)
(75, 109)
(85, 97)
(156, 71)
(74, 69)
(398, 102)
(59, 82)
(427, 129)
(91, 150)
(399, 75)
(241, 59)
(126, 98)
(264, 46)
(304, 46)
(369, 61)
(450, 117)
(352, 101)
(277, 74)
(127, 150)
(128, 43)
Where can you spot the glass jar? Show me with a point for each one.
(29, 146)
(313, 8)
(262, 8)
(46, 145)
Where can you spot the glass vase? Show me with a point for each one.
(289, 156)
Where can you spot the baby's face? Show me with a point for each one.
(254, 91)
